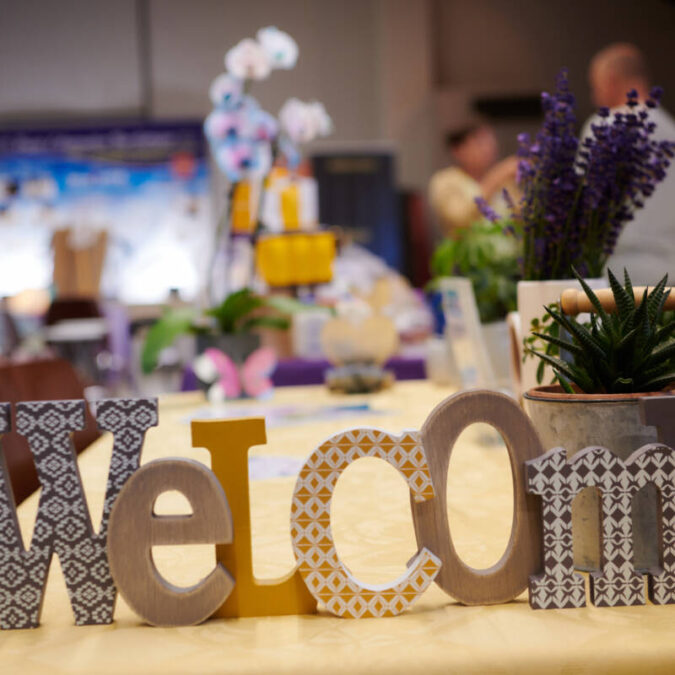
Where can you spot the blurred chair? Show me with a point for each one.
(44, 380)
(77, 332)
(9, 333)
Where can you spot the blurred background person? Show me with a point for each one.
(647, 242)
(476, 172)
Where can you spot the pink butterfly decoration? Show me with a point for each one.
(228, 381)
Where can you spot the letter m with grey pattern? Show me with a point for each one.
(63, 525)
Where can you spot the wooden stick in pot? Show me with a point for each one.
(575, 302)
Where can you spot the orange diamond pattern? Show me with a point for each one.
(327, 578)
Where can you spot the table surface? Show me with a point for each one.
(374, 535)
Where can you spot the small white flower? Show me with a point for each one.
(281, 48)
(322, 120)
(205, 369)
(303, 122)
(247, 60)
(225, 90)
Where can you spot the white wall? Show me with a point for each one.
(337, 63)
(405, 76)
(500, 46)
(68, 57)
(74, 57)
(396, 70)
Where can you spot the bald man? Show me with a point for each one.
(646, 247)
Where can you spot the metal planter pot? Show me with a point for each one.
(577, 421)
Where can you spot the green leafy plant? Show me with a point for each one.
(533, 344)
(630, 350)
(240, 312)
(489, 258)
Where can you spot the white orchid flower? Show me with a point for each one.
(225, 90)
(303, 122)
(205, 369)
(280, 47)
(247, 60)
(322, 120)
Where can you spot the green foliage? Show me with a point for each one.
(236, 314)
(631, 350)
(231, 313)
(534, 344)
(489, 258)
(161, 335)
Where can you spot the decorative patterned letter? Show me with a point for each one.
(656, 464)
(135, 529)
(326, 576)
(558, 482)
(63, 523)
(508, 577)
(228, 441)
(618, 583)
(554, 480)
(659, 411)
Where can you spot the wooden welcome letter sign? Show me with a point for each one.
(327, 577)
(119, 555)
(508, 577)
(228, 442)
(558, 481)
(135, 529)
(63, 524)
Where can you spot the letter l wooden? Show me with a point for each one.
(228, 442)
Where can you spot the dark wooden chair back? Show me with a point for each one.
(72, 308)
(43, 380)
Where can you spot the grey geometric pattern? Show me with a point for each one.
(63, 525)
(618, 583)
(558, 482)
(551, 477)
(656, 464)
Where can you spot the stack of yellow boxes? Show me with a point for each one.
(295, 256)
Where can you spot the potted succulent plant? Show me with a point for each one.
(603, 368)
(577, 196)
(228, 326)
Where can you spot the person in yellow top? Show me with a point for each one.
(476, 173)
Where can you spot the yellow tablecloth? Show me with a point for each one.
(374, 535)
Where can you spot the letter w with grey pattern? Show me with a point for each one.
(63, 525)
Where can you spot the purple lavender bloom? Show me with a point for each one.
(509, 200)
(655, 94)
(578, 197)
(486, 210)
(623, 168)
(549, 181)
